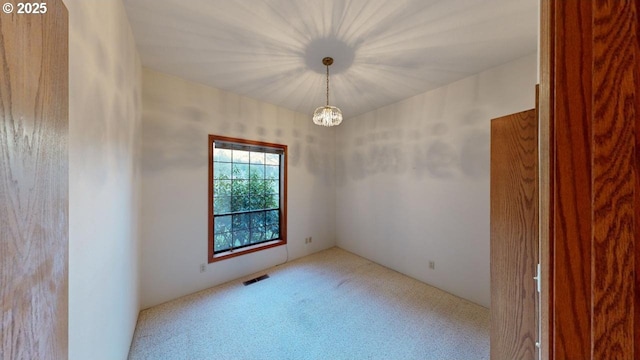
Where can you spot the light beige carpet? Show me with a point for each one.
(330, 305)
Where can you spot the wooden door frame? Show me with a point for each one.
(590, 210)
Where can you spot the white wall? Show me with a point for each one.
(413, 179)
(104, 143)
(177, 117)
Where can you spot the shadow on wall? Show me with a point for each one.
(429, 148)
(105, 103)
(175, 137)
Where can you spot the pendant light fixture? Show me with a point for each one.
(327, 115)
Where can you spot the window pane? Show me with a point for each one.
(257, 235)
(222, 155)
(222, 242)
(256, 202)
(272, 217)
(222, 224)
(256, 186)
(272, 172)
(240, 203)
(222, 187)
(273, 159)
(240, 187)
(240, 156)
(240, 171)
(272, 186)
(256, 157)
(241, 221)
(240, 238)
(272, 232)
(257, 219)
(246, 194)
(221, 170)
(221, 205)
(272, 202)
(257, 171)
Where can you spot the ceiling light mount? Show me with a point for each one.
(327, 115)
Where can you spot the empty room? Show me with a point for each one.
(320, 179)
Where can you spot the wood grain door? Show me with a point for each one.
(590, 126)
(514, 236)
(34, 183)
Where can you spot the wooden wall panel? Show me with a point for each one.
(514, 235)
(34, 183)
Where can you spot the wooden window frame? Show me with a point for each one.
(213, 257)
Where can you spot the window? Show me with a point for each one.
(247, 196)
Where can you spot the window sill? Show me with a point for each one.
(246, 250)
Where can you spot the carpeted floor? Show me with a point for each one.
(330, 305)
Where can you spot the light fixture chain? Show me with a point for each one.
(327, 85)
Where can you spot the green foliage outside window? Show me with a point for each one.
(246, 199)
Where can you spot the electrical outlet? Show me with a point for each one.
(203, 268)
(432, 265)
(310, 239)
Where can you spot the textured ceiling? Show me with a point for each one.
(384, 50)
